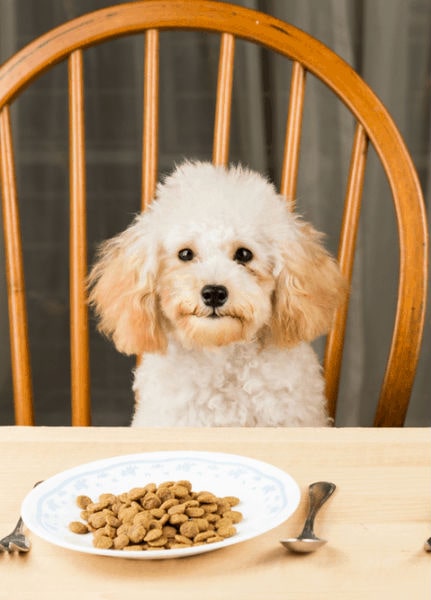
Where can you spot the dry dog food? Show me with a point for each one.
(153, 517)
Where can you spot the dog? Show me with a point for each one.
(219, 288)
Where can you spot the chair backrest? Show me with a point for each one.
(373, 126)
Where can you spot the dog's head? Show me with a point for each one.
(217, 258)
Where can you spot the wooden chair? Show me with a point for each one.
(373, 126)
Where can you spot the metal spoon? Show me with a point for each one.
(307, 541)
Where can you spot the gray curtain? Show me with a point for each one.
(386, 41)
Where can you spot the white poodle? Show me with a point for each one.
(219, 287)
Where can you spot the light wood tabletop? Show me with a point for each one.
(376, 522)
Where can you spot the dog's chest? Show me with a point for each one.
(227, 369)
(231, 374)
(202, 387)
(239, 385)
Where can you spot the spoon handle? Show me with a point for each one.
(319, 493)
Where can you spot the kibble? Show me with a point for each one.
(83, 501)
(78, 527)
(153, 517)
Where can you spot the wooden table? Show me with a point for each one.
(376, 522)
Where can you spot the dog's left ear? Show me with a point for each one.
(308, 290)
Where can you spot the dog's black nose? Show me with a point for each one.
(214, 295)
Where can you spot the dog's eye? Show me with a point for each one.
(243, 255)
(186, 254)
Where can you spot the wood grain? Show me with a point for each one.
(376, 521)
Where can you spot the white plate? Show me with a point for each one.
(268, 495)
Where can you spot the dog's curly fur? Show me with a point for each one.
(240, 354)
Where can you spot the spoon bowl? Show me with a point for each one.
(303, 545)
(307, 541)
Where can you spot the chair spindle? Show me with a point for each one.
(289, 174)
(20, 356)
(349, 230)
(150, 117)
(224, 100)
(79, 350)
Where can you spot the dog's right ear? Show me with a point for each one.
(122, 292)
